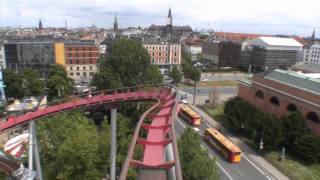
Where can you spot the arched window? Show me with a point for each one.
(292, 107)
(259, 94)
(312, 116)
(274, 100)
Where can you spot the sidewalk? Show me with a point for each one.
(268, 168)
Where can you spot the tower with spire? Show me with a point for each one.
(40, 25)
(313, 36)
(115, 24)
(169, 22)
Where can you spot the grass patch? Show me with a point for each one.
(294, 168)
(216, 112)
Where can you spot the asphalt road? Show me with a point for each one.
(206, 91)
(245, 170)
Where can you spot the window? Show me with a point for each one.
(175, 54)
(312, 116)
(274, 100)
(159, 53)
(152, 53)
(153, 47)
(90, 49)
(76, 49)
(90, 67)
(71, 74)
(78, 68)
(70, 49)
(91, 74)
(292, 107)
(259, 94)
(83, 55)
(70, 54)
(71, 68)
(78, 74)
(90, 61)
(83, 49)
(84, 68)
(77, 61)
(84, 74)
(90, 55)
(77, 55)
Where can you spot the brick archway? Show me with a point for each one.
(292, 107)
(259, 94)
(274, 100)
(312, 116)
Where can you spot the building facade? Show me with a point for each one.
(159, 55)
(37, 55)
(311, 54)
(281, 92)
(81, 60)
(222, 53)
(270, 53)
(193, 46)
(2, 56)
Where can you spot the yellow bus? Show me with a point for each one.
(230, 151)
(188, 114)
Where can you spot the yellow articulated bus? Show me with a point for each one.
(188, 114)
(230, 151)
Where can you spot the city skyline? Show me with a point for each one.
(270, 17)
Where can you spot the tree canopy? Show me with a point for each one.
(59, 84)
(175, 74)
(26, 83)
(195, 163)
(127, 64)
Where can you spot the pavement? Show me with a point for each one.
(251, 167)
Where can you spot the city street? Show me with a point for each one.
(245, 170)
(251, 167)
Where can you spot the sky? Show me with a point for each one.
(297, 17)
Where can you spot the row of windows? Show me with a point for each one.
(313, 60)
(81, 49)
(161, 47)
(81, 61)
(153, 60)
(83, 68)
(314, 56)
(175, 54)
(290, 107)
(83, 74)
(313, 52)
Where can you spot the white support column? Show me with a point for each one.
(30, 165)
(36, 154)
(113, 146)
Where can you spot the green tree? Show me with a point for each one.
(293, 127)
(195, 163)
(175, 75)
(70, 148)
(127, 64)
(59, 84)
(13, 82)
(33, 84)
(308, 146)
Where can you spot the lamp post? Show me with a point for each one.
(261, 146)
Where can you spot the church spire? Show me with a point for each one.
(169, 18)
(40, 25)
(313, 36)
(115, 24)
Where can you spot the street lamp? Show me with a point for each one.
(261, 146)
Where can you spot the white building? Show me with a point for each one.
(2, 56)
(193, 47)
(311, 54)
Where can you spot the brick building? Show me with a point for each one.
(159, 55)
(81, 60)
(280, 92)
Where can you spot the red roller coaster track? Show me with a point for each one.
(160, 132)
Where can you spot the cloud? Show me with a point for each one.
(271, 16)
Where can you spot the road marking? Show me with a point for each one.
(204, 148)
(224, 171)
(210, 156)
(181, 124)
(238, 171)
(256, 167)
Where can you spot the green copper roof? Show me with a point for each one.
(295, 80)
